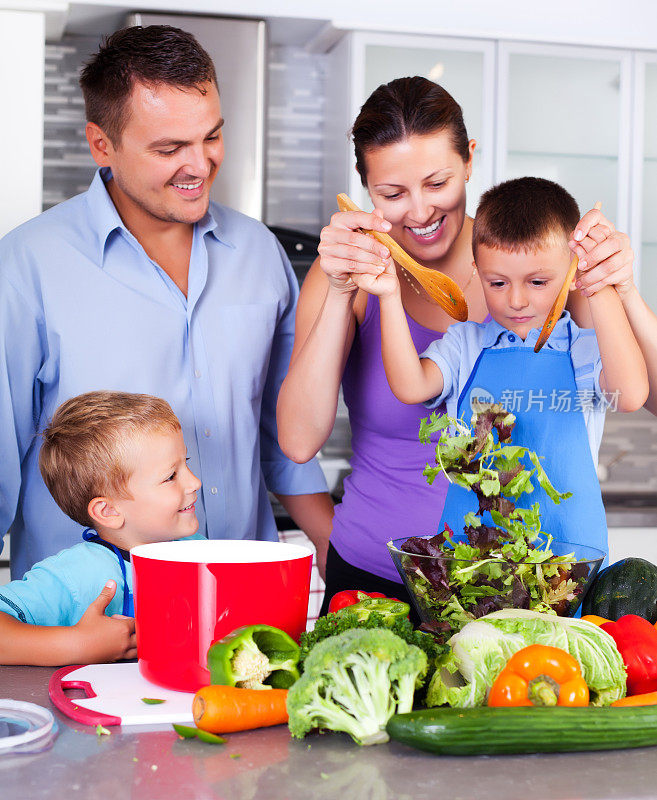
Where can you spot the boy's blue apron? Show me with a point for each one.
(558, 437)
(90, 535)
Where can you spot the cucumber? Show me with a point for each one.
(501, 731)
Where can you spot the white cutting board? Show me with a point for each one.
(119, 689)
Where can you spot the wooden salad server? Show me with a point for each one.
(441, 289)
(560, 303)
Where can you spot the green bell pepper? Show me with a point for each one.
(254, 657)
(391, 610)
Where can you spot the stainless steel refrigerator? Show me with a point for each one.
(238, 49)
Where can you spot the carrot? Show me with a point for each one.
(647, 699)
(226, 709)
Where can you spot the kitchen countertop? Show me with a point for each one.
(154, 763)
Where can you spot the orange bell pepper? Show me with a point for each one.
(539, 675)
(595, 619)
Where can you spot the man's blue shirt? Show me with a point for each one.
(82, 307)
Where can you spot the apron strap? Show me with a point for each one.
(90, 535)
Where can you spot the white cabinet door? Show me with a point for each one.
(644, 176)
(362, 61)
(564, 114)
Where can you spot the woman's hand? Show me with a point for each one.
(347, 254)
(605, 255)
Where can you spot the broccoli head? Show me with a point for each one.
(345, 619)
(354, 682)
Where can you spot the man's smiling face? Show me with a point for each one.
(169, 153)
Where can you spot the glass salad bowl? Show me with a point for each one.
(449, 589)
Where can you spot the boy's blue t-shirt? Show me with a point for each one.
(457, 352)
(59, 589)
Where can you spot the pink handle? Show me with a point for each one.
(86, 716)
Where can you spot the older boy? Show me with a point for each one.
(142, 284)
(115, 463)
(520, 244)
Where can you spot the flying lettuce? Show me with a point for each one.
(480, 650)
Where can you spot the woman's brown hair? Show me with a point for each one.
(406, 107)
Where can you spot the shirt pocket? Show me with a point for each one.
(248, 332)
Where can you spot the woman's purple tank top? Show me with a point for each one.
(385, 496)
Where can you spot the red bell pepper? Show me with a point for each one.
(349, 597)
(636, 640)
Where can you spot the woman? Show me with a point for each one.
(414, 157)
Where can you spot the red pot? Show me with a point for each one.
(188, 594)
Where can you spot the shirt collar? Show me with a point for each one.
(106, 218)
(559, 338)
(215, 222)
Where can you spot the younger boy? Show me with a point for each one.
(520, 245)
(116, 464)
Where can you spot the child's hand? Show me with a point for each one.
(103, 638)
(605, 255)
(384, 285)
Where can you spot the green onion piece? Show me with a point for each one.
(210, 738)
(185, 731)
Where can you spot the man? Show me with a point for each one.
(141, 285)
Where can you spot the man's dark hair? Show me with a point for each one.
(157, 54)
(524, 214)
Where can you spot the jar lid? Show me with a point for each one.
(25, 727)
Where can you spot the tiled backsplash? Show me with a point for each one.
(67, 164)
(295, 114)
(295, 118)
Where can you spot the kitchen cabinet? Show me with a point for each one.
(559, 115)
(585, 117)
(21, 98)
(644, 198)
(362, 61)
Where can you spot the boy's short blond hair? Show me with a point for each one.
(524, 214)
(85, 450)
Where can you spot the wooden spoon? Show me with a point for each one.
(559, 304)
(443, 290)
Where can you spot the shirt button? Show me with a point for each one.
(207, 432)
(512, 338)
(213, 490)
(197, 373)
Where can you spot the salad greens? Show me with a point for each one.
(460, 577)
(474, 460)
(481, 649)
